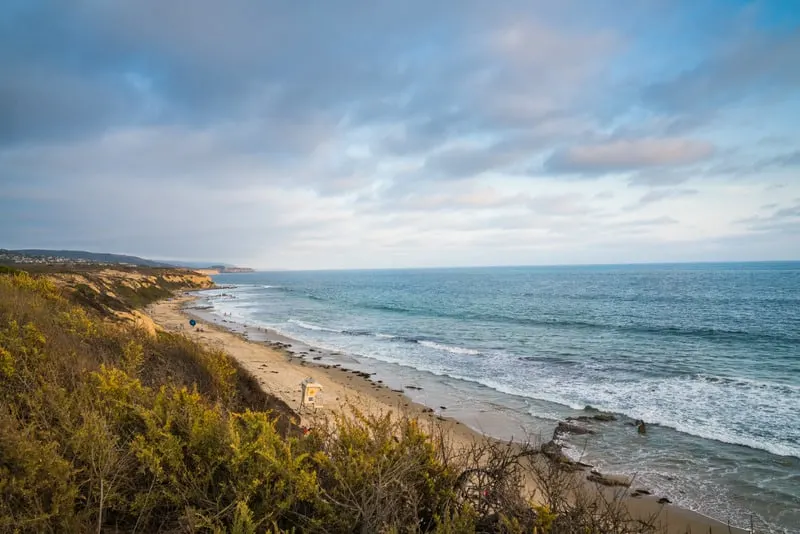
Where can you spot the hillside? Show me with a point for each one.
(60, 256)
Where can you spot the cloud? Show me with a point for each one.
(746, 164)
(784, 219)
(659, 178)
(659, 195)
(747, 65)
(467, 162)
(654, 221)
(789, 159)
(627, 155)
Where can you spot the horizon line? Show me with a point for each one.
(512, 266)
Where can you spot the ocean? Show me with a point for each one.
(707, 354)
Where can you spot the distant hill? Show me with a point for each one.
(81, 256)
(196, 264)
(84, 256)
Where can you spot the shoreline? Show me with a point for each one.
(279, 371)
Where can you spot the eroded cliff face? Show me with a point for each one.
(120, 293)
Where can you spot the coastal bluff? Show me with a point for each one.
(118, 292)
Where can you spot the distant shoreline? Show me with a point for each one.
(224, 270)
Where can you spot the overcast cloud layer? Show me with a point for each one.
(392, 134)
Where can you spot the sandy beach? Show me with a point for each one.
(280, 372)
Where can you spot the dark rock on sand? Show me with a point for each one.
(608, 480)
(664, 500)
(554, 451)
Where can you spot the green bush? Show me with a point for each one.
(5, 269)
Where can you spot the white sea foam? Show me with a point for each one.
(449, 348)
(692, 405)
(385, 336)
(310, 326)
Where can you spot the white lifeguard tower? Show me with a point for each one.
(311, 394)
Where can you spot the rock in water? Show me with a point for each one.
(568, 428)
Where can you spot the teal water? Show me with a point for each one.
(708, 354)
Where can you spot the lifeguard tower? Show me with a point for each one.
(311, 394)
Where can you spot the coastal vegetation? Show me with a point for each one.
(109, 425)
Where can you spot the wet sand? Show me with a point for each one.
(280, 372)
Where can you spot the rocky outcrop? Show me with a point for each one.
(569, 428)
(554, 452)
(601, 417)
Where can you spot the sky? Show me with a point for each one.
(363, 134)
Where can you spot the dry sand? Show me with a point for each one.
(280, 373)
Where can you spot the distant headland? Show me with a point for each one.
(224, 269)
(62, 257)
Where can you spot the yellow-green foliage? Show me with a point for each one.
(89, 433)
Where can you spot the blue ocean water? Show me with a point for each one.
(708, 354)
